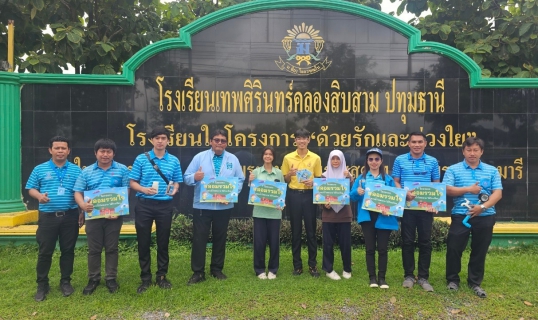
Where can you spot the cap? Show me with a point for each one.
(376, 150)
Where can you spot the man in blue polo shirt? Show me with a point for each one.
(150, 176)
(416, 166)
(215, 162)
(51, 183)
(102, 233)
(478, 185)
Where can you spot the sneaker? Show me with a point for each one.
(314, 272)
(479, 291)
(112, 285)
(163, 283)
(452, 286)
(383, 284)
(42, 291)
(262, 276)
(90, 287)
(333, 275)
(144, 286)
(373, 282)
(346, 275)
(409, 282)
(196, 278)
(66, 288)
(271, 276)
(297, 272)
(219, 275)
(425, 285)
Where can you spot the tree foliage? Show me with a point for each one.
(499, 35)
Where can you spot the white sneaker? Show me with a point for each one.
(346, 275)
(271, 276)
(333, 275)
(262, 276)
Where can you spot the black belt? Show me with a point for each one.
(60, 213)
(152, 201)
(300, 190)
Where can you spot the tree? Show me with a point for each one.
(499, 35)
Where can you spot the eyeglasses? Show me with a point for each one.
(374, 159)
(219, 141)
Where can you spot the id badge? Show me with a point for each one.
(61, 191)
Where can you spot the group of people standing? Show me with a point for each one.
(58, 185)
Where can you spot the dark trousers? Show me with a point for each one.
(203, 221)
(416, 221)
(147, 211)
(375, 239)
(458, 236)
(333, 231)
(50, 229)
(301, 208)
(103, 233)
(266, 231)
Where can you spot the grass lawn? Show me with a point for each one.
(510, 282)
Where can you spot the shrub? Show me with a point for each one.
(240, 231)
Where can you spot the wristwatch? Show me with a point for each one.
(483, 207)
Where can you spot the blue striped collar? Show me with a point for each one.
(422, 157)
(153, 156)
(467, 166)
(113, 165)
(216, 155)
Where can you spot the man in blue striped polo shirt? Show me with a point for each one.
(102, 233)
(155, 204)
(416, 166)
(214, 216)
(478, 185)
(51, 183)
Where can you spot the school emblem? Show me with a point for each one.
(229, 165)
(303, 44)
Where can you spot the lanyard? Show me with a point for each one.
(60, 172)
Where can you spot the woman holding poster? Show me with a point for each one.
(336, 221)
(376, 227)
(267, 220)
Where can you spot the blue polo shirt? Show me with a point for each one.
(409, 169)
(143, 172)
(94, 177)
(48, 178)
(462, 175)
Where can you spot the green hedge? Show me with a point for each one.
(240, 231)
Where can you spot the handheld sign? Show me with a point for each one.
(427, 195)
(110, 202)
(219, 189)
(330, 190)
(381, 198)
(266, 193)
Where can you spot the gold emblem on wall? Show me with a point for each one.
(303, 44)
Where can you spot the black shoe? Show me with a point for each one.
(478, 290)
(373, 282)
(144, 286)
(313, 271)
(297, 272)
(42, 291)
(66, 288)
(90, 288)
(112, 285)
(383, 284)
(219, 275)
(196, 277)
(163, 283)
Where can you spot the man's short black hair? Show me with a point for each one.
(418, 133)
(302, 133)
(158, 131)
(59, 139)
(105, 144)
(218, 132)
(473, 140)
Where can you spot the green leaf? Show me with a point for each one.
(486, 4)
(33, 61)
(486, 73)
(445, 28)
(513, 48)
(524, 28)
(73, 37)
(106, 47)
(56, 25)
(478, 58)
(59, 36)
(33, 13)
(39, 4)
(127, 46)
(40, 68)
(443, 36)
